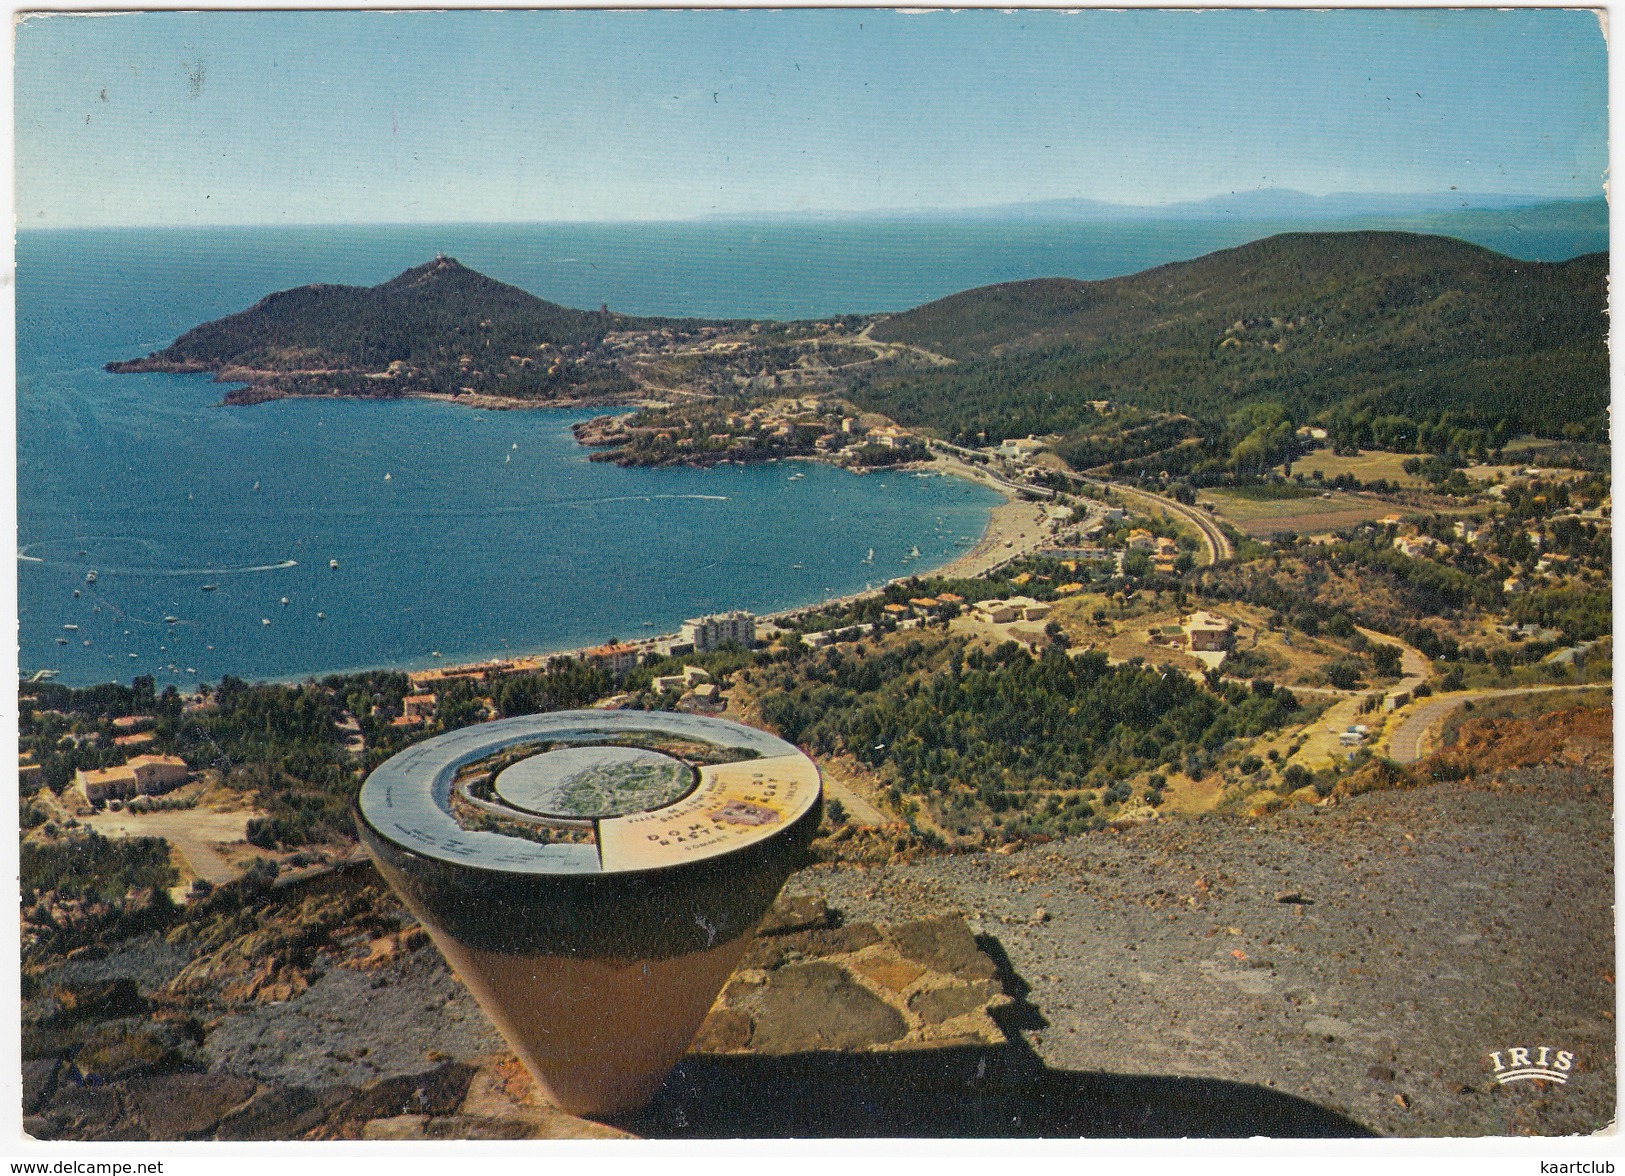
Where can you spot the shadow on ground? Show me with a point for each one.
(964, 1091)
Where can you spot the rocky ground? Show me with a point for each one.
(1365, 958)
(1335, 969)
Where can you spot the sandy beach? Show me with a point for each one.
(1014, 527)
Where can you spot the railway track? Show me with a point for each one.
(1218, 544)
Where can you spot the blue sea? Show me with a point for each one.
(457, 532)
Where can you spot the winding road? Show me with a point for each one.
(1412, 739)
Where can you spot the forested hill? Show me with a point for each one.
(440, 307)
(437, 327)
(1382, 322)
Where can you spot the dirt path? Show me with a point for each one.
(193, 833)
(1323, 743)
(858, 810)
(1413, 664)
(881, 347)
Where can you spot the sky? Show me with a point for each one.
(368, 117)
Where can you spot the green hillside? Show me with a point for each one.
(444, 327)
(1338, 324)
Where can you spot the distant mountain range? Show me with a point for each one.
(1265, 204)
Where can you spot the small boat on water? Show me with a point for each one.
(172, 620)
(265, 620)
(90, 576)
(76, 594)
(334, 564)
(321, 616)
(70, 628)
(208, 587)
(795, 477)
(795, 567)
(870, 558)
(284, 602)
(61, 640)
(388, 477)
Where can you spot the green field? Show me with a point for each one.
(1305, 513)
(1368, 466)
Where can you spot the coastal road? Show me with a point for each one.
(1213, 537)
(1413, 737)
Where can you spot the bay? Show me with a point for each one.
(466, 533)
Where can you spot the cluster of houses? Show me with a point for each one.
(1197, 632)
(790, 419)
(142, 775)
(1163, 550)
(921, 606)
(697, 635)
(145, 775)
(1088, 543)
(1415, 545)
(692, 682)
(416, 710)
(1012, 609)
(1020, 448)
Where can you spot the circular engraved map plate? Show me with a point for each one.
(589, 782)
(702, 788)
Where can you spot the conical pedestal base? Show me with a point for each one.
(598, 977)
(598, 1037)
